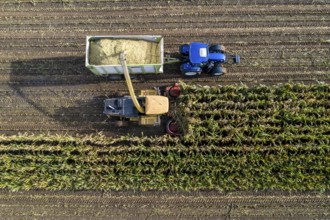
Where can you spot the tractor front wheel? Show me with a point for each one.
(184, 49)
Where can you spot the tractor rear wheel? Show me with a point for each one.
(190, 74)
(173, 128)
(216, 48)
(218, 71)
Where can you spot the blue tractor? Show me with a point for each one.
(204, 58)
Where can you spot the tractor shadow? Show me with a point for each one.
(173, 68)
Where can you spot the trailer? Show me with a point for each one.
(145, 54)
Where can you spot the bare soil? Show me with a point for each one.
(163, 205)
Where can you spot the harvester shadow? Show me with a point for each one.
(51, 88)
(87, 116)
(61, 90)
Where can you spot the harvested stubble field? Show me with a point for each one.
(44, 86)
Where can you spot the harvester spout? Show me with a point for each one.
(129, 83)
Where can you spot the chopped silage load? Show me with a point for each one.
(107, 51)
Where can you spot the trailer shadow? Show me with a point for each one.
(52, 71)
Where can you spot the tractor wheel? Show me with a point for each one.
(218, 71)
(216, 48)
(172, 128)
(184, 49)
(190, 74)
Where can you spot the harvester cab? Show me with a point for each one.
(200, 57)
(145, 109)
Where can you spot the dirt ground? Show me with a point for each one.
(45, 87)
(158, 205)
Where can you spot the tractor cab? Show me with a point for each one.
(200, 54)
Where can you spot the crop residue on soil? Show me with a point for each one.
(107, 51)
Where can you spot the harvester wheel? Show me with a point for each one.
(174, 91)
(173, 128)
(121, 123)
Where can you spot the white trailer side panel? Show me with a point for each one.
(134, 69)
